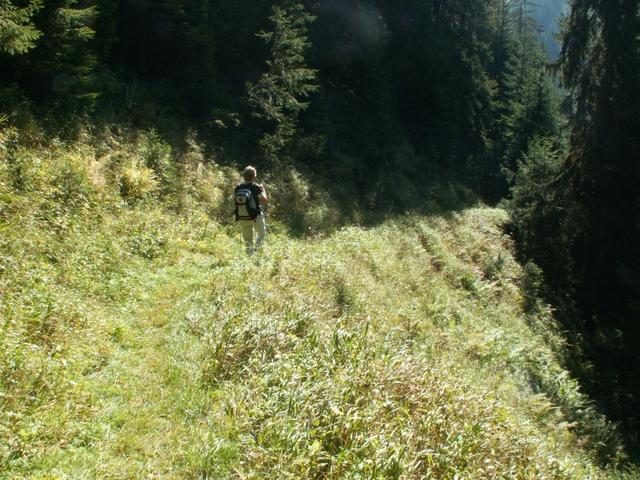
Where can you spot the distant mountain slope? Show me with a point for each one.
(547, 13)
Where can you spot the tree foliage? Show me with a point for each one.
(442, 79)
(582, 220)
(279, 95)
(18, 34)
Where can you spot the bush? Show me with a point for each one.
(205, 184)
(137, 181)
(306, 209)
(532, 283)
(157, 155)
(70, 181)
(23, 168)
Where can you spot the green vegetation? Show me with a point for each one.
(277, 96)
(17, 33)
(575, 205)
(392, 333)
(137, 341)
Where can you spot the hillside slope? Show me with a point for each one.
(137, 342)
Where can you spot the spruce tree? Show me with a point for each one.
(281, 93)
(63, 67)
(525, 105)
(18, 34)
(601, 66)
(580, 220)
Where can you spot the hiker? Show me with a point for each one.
(250, 199)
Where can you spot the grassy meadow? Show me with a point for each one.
(138, 341)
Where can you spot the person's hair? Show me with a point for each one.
(249, 173)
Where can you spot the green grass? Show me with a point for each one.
(138, 342)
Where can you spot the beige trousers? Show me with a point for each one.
(248, 227)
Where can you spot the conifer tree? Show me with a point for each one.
(601, 65)
(64, 66)
(199, 71)
(280, 94)
(580, 219)
(525, 105)
(106, 26)
(18, 34)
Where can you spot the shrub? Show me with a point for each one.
(532, 283)
(304, 208)
(205, 184)
(137, 181)
(70, 181)
(157, 155)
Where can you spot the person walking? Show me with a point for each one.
(251, 200)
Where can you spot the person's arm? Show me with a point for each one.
(262, 198)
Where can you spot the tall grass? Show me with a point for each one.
(138, 341)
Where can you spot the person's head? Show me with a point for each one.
(249, 174)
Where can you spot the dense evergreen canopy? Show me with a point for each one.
(441, 78)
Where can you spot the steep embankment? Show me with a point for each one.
(141, 344)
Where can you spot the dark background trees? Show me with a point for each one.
(588, 206)
(425, 74)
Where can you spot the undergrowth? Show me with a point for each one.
(138, 341)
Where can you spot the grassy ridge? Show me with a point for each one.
(138, 342)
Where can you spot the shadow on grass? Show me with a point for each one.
(438, 197)
(605, 365)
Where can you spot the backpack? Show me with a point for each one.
(246, 205)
